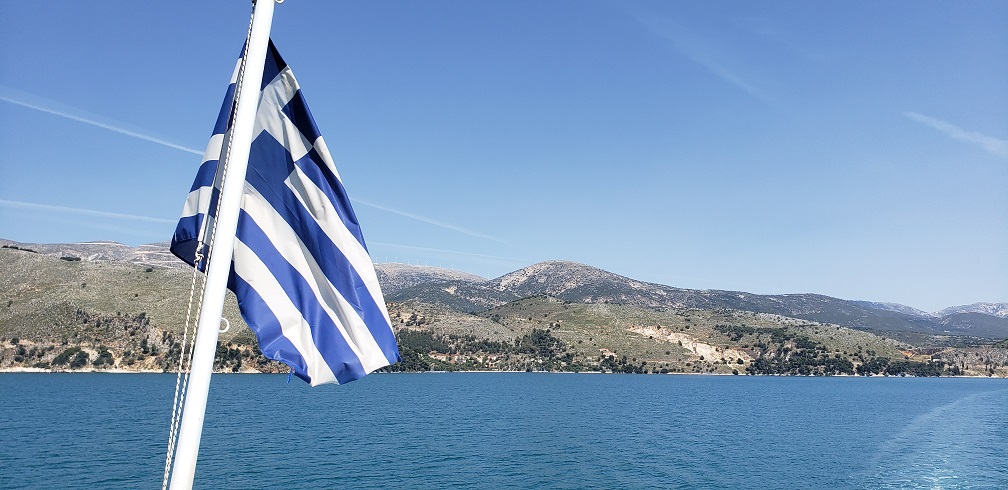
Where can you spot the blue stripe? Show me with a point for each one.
(274, 65)
(297, 111)
(205, 175)
(185, 239)
(325, 334)
(211, 210)
(267, 176)
(315, 169)
(267, 328)
(224, 116)
(183, 243)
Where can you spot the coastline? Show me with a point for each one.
(22, 370)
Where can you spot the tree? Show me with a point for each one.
(63, 358)
(104, 358)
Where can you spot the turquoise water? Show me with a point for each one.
(513, 430)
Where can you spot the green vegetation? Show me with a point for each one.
(74, 358)
(613, 364)
(538, 350)
(23, 249)
(104, 358)
(787, 353)
(66, 315)
(782, 351)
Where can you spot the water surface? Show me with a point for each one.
(513, 430)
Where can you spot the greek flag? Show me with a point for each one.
(301, 271)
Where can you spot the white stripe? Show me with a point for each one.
(275, 97)
(342, 313)
(317, 203)
(270, 117)
(197, 202)
(222, 157)
(213, 149)
(365, 268)
(237, 69)
(294, 327)
(323, 151)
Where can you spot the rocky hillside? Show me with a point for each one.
(106, 306)
(154, 254)
(895, 307)
(999, 310)
(579, 283)
(395, 277)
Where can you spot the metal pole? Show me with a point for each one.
(218, 270)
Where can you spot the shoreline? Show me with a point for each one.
(22, 370)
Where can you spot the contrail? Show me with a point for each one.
(700, 51)
(992, 145)
(152, 139)
(430, 221)
(81, 211)
(100, 125)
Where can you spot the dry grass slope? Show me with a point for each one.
(130, 316)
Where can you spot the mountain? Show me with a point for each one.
(975, 324)
(460, 296)
(999, 310)
(103, 305)
(573, 282)
(895, 307)
(394, 277)
(578, 283)
(153, 254)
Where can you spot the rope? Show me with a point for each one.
(185, 361)
(183, 366)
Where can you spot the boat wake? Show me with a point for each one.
(951, 446)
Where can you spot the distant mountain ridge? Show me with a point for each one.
(895, 307)
(999, 310)
(152, 254)
(395, 276)
(579, 283)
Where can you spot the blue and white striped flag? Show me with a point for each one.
(301, 271)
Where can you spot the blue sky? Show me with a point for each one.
(854, 149)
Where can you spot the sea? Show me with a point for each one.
(513, 430)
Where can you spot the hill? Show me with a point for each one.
(999, 310)
(579, 283)
(113, 307)
(395, 277)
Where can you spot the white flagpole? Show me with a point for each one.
(219, 268)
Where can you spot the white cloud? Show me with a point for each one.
(992, 145)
